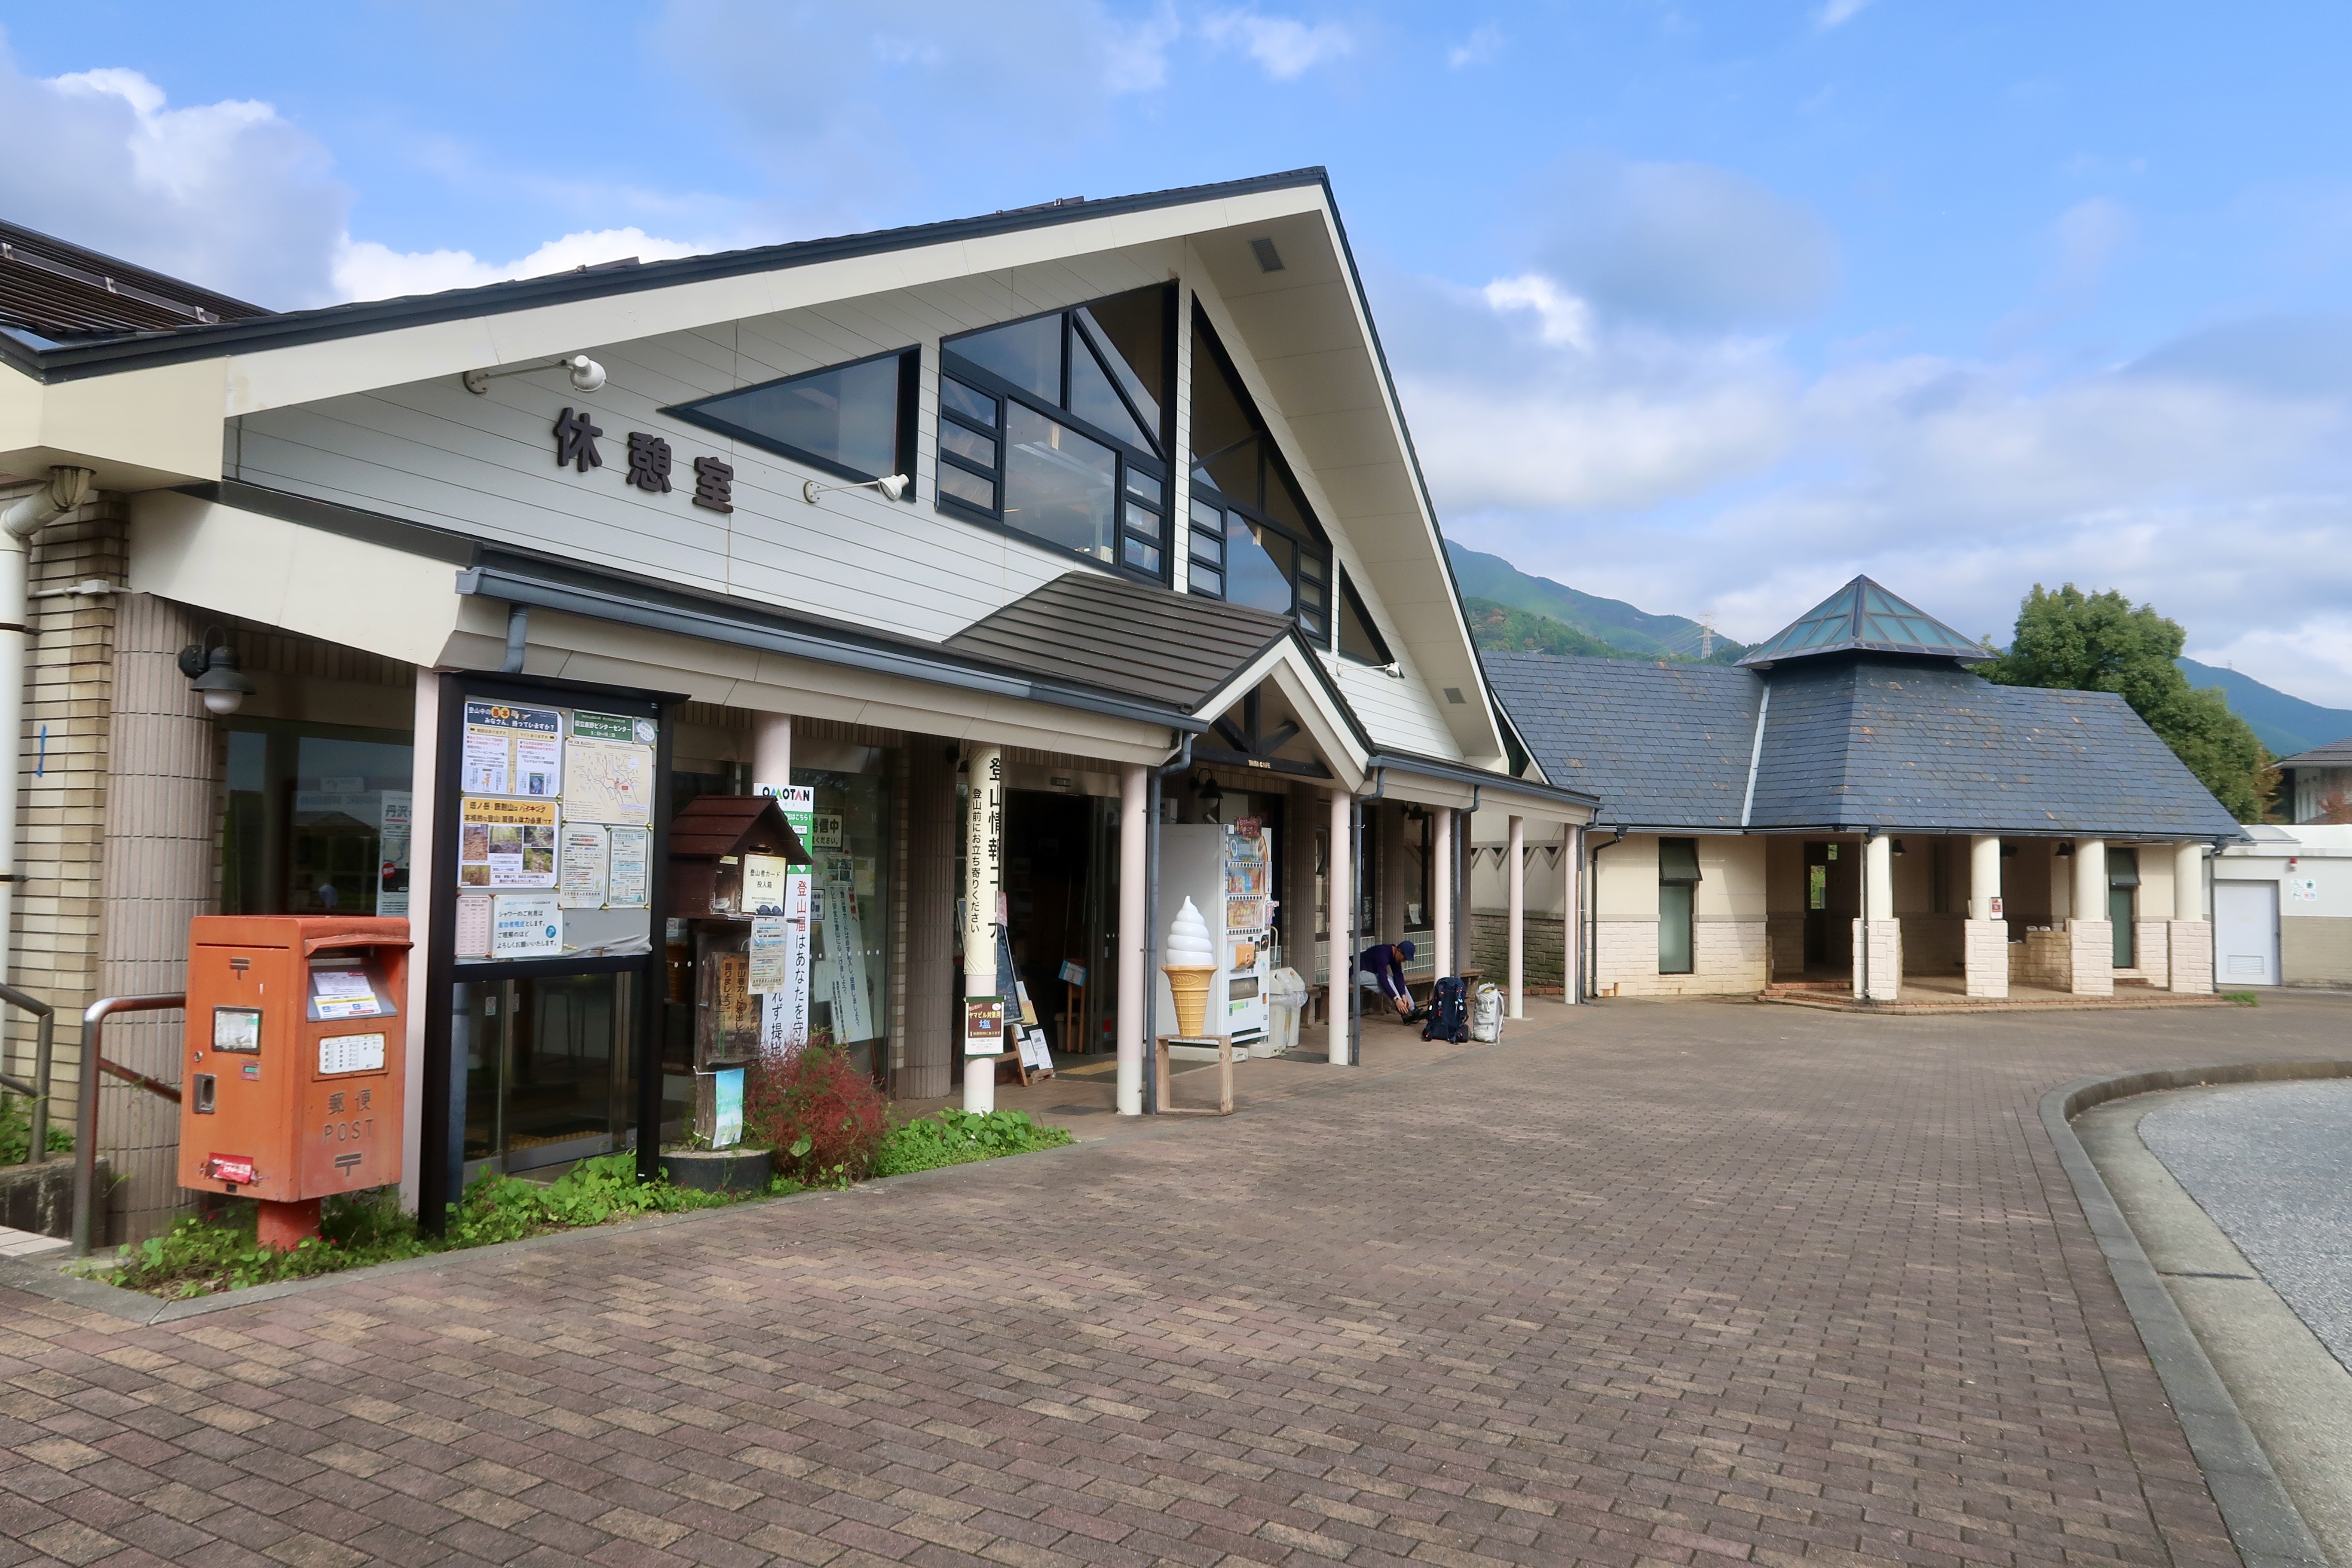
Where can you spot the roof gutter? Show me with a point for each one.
(1478, 778)
(514, 588)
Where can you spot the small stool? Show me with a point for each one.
(1224, 1044)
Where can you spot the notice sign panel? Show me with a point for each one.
(506, 843)
(526, 925)
(350, 1053)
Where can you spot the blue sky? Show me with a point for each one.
(1708, 305)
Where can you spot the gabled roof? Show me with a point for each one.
(1088, 628)
(2335, 754)
(57, 289)
(1864, 616)
(1851, 744)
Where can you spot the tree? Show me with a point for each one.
(2101, 642)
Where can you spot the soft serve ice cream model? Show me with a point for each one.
(1190, 969)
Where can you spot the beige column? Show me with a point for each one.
(2189, 938)
(983, 877)
(1984, 940)
(1514, 875)
(1341, 924)
(1134, 933)
(1571, 922)
(772, 751)
(1877, 934)
(1441, 888)
(2091, 935)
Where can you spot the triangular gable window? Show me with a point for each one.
(855, 420)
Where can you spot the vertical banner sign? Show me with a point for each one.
(983, 875)
(784, 1012)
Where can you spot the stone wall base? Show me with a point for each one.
(1542, 947)
(2046, 959)
(2190, 956)
(1727, 959)
(1883, 964)
(2151, 947)
(1984, 944)
(2093, 945)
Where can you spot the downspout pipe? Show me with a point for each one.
(66, 488)
(1183, 760)
(517, 637)
(1591, 985)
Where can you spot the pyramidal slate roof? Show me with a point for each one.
(1887, 742)
(1863, 616)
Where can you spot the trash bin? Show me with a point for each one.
(1285, 1002)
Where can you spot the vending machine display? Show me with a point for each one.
(1227, 871)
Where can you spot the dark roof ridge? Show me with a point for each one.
(361, 317)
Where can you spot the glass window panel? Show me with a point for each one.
(1208, 515)
(1282, 501)
(1314, 622)
(1207, 580)
(1258, 562)
(1221, 410)
(959, 485)
(1235, 472)
(1208, 547)
(1026, 353)
(1142, 556)
(1142, 522)
(1059, 486)
(965, 442)
(1310, 594)
(1133, 329)
(1674, 928)
(1139, 483)
(1093, 399)
(1359, 638)
(1311, 565)
(848, 415)
(964, 400)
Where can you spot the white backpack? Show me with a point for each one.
(1486, 1015)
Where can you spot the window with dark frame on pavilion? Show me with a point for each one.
(1252, 539)
(855, 421)
(1054, 428)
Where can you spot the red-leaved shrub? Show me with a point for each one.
(823, 1118)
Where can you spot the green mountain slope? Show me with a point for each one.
(2285, 724)
(1612, 621)
(1499, 628)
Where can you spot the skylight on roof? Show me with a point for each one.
(1862, 617)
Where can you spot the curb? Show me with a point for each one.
(43, 1276)
(1990, 1007)
(2262, 1520)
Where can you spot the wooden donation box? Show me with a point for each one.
(737, 881)
(297, 1035)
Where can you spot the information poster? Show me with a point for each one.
(526, 925)
(629, 886)
(727, 1107)
(784, 1013)
(583, 872)
(983, 1026)
(770, 951)
(512, 750)
(847, 988)
(473, 925)
(391, 853)
(763, 884)
(506, 843)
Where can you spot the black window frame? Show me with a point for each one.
(1349, 599)
(909, 417)
(1132, 461)
(1273, 469)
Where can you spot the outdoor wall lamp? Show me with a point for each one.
(2065, 849)
(587, 375)
(214, 676)
(893, 487)
(1211, 798)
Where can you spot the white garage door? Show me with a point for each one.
(2245, 934)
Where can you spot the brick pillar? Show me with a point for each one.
(160, 822)
(933, 832)
(1882, 960)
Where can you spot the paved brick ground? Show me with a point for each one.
(1668, 1283)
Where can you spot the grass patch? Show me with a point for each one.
(204, 1254)
(952, 1137)
(17, 1133)
(2242, 998)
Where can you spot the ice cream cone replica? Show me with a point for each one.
(1191, 965)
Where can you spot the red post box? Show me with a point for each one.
(294, 1072)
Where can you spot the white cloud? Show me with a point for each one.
(367, 270)
(1838, 13)
(1481, 47)
(1565, 319)
(1285, 48)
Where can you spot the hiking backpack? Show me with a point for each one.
(1449, 1013)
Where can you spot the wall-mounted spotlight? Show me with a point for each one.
(214, 676)
(1896, 847)
(2065, 849)
(1211, 796)
(587, 375)
(893, 487)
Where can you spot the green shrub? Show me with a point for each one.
(17, 1133)
(952, 1137)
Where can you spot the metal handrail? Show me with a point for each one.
(93, 1030)
(39, 1088)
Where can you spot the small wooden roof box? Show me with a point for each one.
(708, 842)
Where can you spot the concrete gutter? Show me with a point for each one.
(2262, 1520)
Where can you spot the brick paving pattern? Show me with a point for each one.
(1658, 1283)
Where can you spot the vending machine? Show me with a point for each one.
(1227, 871)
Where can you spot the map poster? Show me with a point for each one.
(608, 782)
(506, 843)
(584, 868)
(526, 925)
(627, 887)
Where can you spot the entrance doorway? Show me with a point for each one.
(1833, 898)
(1061, 897)
(2246, 933)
